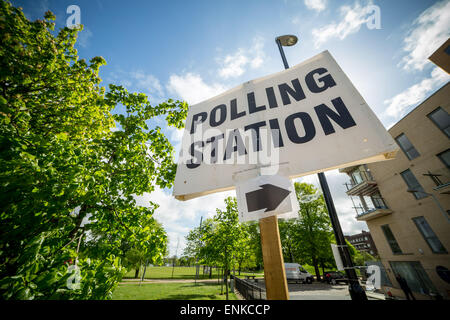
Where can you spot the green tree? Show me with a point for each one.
(134, 259)
(287, 237)
(65, 175)
(221, 241)
(225, 237)
(255, 243)
(244, 255)
(312, 230)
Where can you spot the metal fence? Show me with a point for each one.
(249, 290)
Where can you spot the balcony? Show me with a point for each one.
(443, 188)
(362, 184)
(379, 209)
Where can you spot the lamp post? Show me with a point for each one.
(435, 200)
(355, 289)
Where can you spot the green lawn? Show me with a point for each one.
(170, 291)
(180, 273)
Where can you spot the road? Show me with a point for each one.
(319, 291)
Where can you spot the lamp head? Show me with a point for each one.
(287, 40)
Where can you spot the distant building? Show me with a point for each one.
(363, 242)
(405, 202)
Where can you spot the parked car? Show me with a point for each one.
(334, 277)
(297, 273)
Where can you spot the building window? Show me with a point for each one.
(407, 147)
(445, 157)
(441, 119)
(429, 235)
(357, 177)
(447, 50)
(414, 274)
(391, 239)
(413, 184)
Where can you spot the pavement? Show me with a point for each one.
(375, 295)
(323, 291)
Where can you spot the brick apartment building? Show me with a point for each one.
(363, 242)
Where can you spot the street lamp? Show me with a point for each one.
(435, 200)
(355, 289)
(287, 41)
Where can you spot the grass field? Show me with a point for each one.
(171, 291)
(180, 273)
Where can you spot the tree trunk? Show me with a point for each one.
(313, 251)
(136, 273)
(143, 273)
(316, 269)
(226, 282)
(221, 282)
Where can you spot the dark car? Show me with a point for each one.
(334, 277)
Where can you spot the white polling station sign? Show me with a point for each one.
(303, 120)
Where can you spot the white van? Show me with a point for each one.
(296, 272)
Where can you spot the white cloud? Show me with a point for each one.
(234, 65)
(352, 19)
(257, 50)
(176, 136)
(191, 88)
(148, 82)
(139, 81)
(84, 36)
(428, 32)
(296, 20)
(179, 217)
(400, 104)
(317, 5)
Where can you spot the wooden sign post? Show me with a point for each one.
(274, 273)
(267, 198)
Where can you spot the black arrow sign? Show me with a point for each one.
(269, 198)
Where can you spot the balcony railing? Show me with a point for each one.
(362, 184)
(378, 209)
(443, 188)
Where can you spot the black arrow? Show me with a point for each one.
(269, 198)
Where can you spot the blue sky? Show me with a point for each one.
(193, 50)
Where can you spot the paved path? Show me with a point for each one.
(318, 291)
(322, 291)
